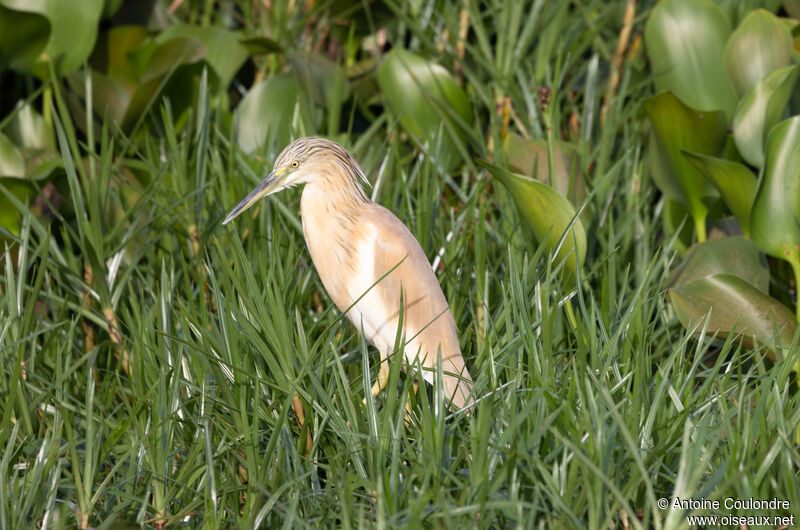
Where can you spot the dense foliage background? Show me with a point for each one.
(158, 369)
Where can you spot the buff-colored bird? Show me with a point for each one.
(368, 261)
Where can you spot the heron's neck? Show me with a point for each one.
(334, 193)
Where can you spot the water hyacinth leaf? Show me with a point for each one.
(677, 127)
(530, 158)
(260, 45)
(735, 255)
(760, 45)
(775, 216)
(760, 109)
(114, 54)
(29, 130)
(736, 307)
(792, 7)
(324, 80)
(547, 214)
(12, 163)
(224, 52)
(23, 191)
(159, 61)
(427, 100)
(73, 30)
(735, 183)
(685, 41)
(23, 37)
(266, 112)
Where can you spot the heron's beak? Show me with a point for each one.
(269, 185)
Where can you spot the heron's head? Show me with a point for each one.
(302, 161)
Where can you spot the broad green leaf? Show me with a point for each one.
(735, 255)
(324, 80)
(792, 7)
(260, 45)
(23, 37)
(73, 28)
(9, 214)
(179, 58)
(735, 183)
(115, 52)
(266, 112)
(162, 58)
(760, 110)
(224, 51)
(12, 163)
(775, 217)
(547, 213)
(28, 129)
(736, 307)
(530, 158)
(685, 42)
(760, 45)
(677, 127)
(427, 100)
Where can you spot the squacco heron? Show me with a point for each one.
(369, 262)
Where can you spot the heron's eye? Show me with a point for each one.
(295, 164)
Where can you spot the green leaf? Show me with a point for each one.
(73, 28)
(260, 45)
(685, 42)
(23, 37)
(735, 183)
(177, 58)
(736, 307)
(792, 7)
(548, 214)
(760, 45)
(760, 110)
(29, 130)
(266, 112)
(677, 127)
(224, 51)
(735, 255)
(12, 163)
(775, 217)
(530, 158)
(320, 77)
(426, 99)
(23, 191)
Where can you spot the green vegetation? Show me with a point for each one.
(159, 370)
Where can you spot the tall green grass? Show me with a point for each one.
(593, 403)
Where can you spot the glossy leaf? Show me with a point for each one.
(530, 158)
(23, 37)
(73, 29)
(260, 45)
(792, 7)
(760, 45)
(760, 110)
(12, 163)
(266, 112)
(171, 58)
(677, 127)
(23, 191)
(324, 80)
(735, 255)
(424, 96)
(775, 217)
(685, 42)
(29, 130)
(735, 183)
(223, 49)
(547, 214)
(736, 307)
